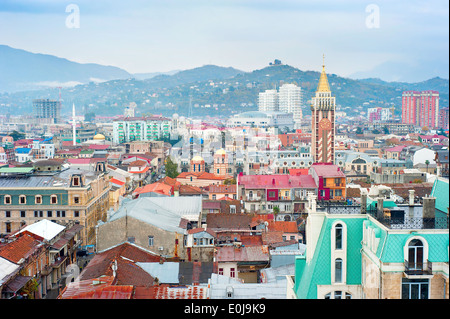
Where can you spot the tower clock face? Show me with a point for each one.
(325, 124)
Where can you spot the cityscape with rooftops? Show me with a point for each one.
(223, 184)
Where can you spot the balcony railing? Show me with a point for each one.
(418, 268)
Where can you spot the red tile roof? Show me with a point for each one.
(202, 175)
(398, 148)
(157, 187)
(277, 181)
(283, 226)
(96, 288)
(128, 273)
(138, 163)
(116, 181)
(22, 247)
(327, 170)
(230, 189)
(167, 292)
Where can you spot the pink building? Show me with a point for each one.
(421, 108)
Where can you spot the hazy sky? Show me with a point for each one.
(408, 40)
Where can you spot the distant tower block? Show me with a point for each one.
(47, 109)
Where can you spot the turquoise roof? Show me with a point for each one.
(318, 271)
(391, 246)
(440, 191)
(386, 203)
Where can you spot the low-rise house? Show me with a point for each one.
(200, 179)
(330, 181)
(442, 160)
(157, 224)
(42, 251)
(139, 171)
(242, 262)
(222, 191)
(262, 193)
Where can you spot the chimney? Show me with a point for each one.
(363, 203)
(429, 207)
(380, 212)
(411, 197)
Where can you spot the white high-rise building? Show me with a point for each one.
(290, 101)
(268, 101)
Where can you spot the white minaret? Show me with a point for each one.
(74, 134)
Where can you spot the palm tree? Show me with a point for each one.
(427, 162)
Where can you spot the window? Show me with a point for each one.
(7, 199)
(38, 199)
(38, 213)
(220, 271)
(232, 273)
(150, 241)
(22, 213)
(214, 196)
(49, 213)
(22, 199)
(338, 235)
(76, 181)
(8, 227)
(272, 194)
(53, 199)
(415, 254)
(7, 214)
(76, 213)
(415, 288)
(338, 270)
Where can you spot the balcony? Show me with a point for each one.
(413, 269)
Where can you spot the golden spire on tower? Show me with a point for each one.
(323, 81)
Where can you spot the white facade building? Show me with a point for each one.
(290, 101)
(268, 101)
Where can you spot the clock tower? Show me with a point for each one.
(323, 107)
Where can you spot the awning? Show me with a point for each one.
(16, 284)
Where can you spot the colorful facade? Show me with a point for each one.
(330, 180)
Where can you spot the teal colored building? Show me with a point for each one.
(356, 256)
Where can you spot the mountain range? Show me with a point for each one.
(206, 90)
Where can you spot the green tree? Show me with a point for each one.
(359, 130)
(276, 210)
(427, 162)
(171, 168)
(17, 135)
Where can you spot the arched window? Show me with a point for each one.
(338, 236)
(415, 254)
